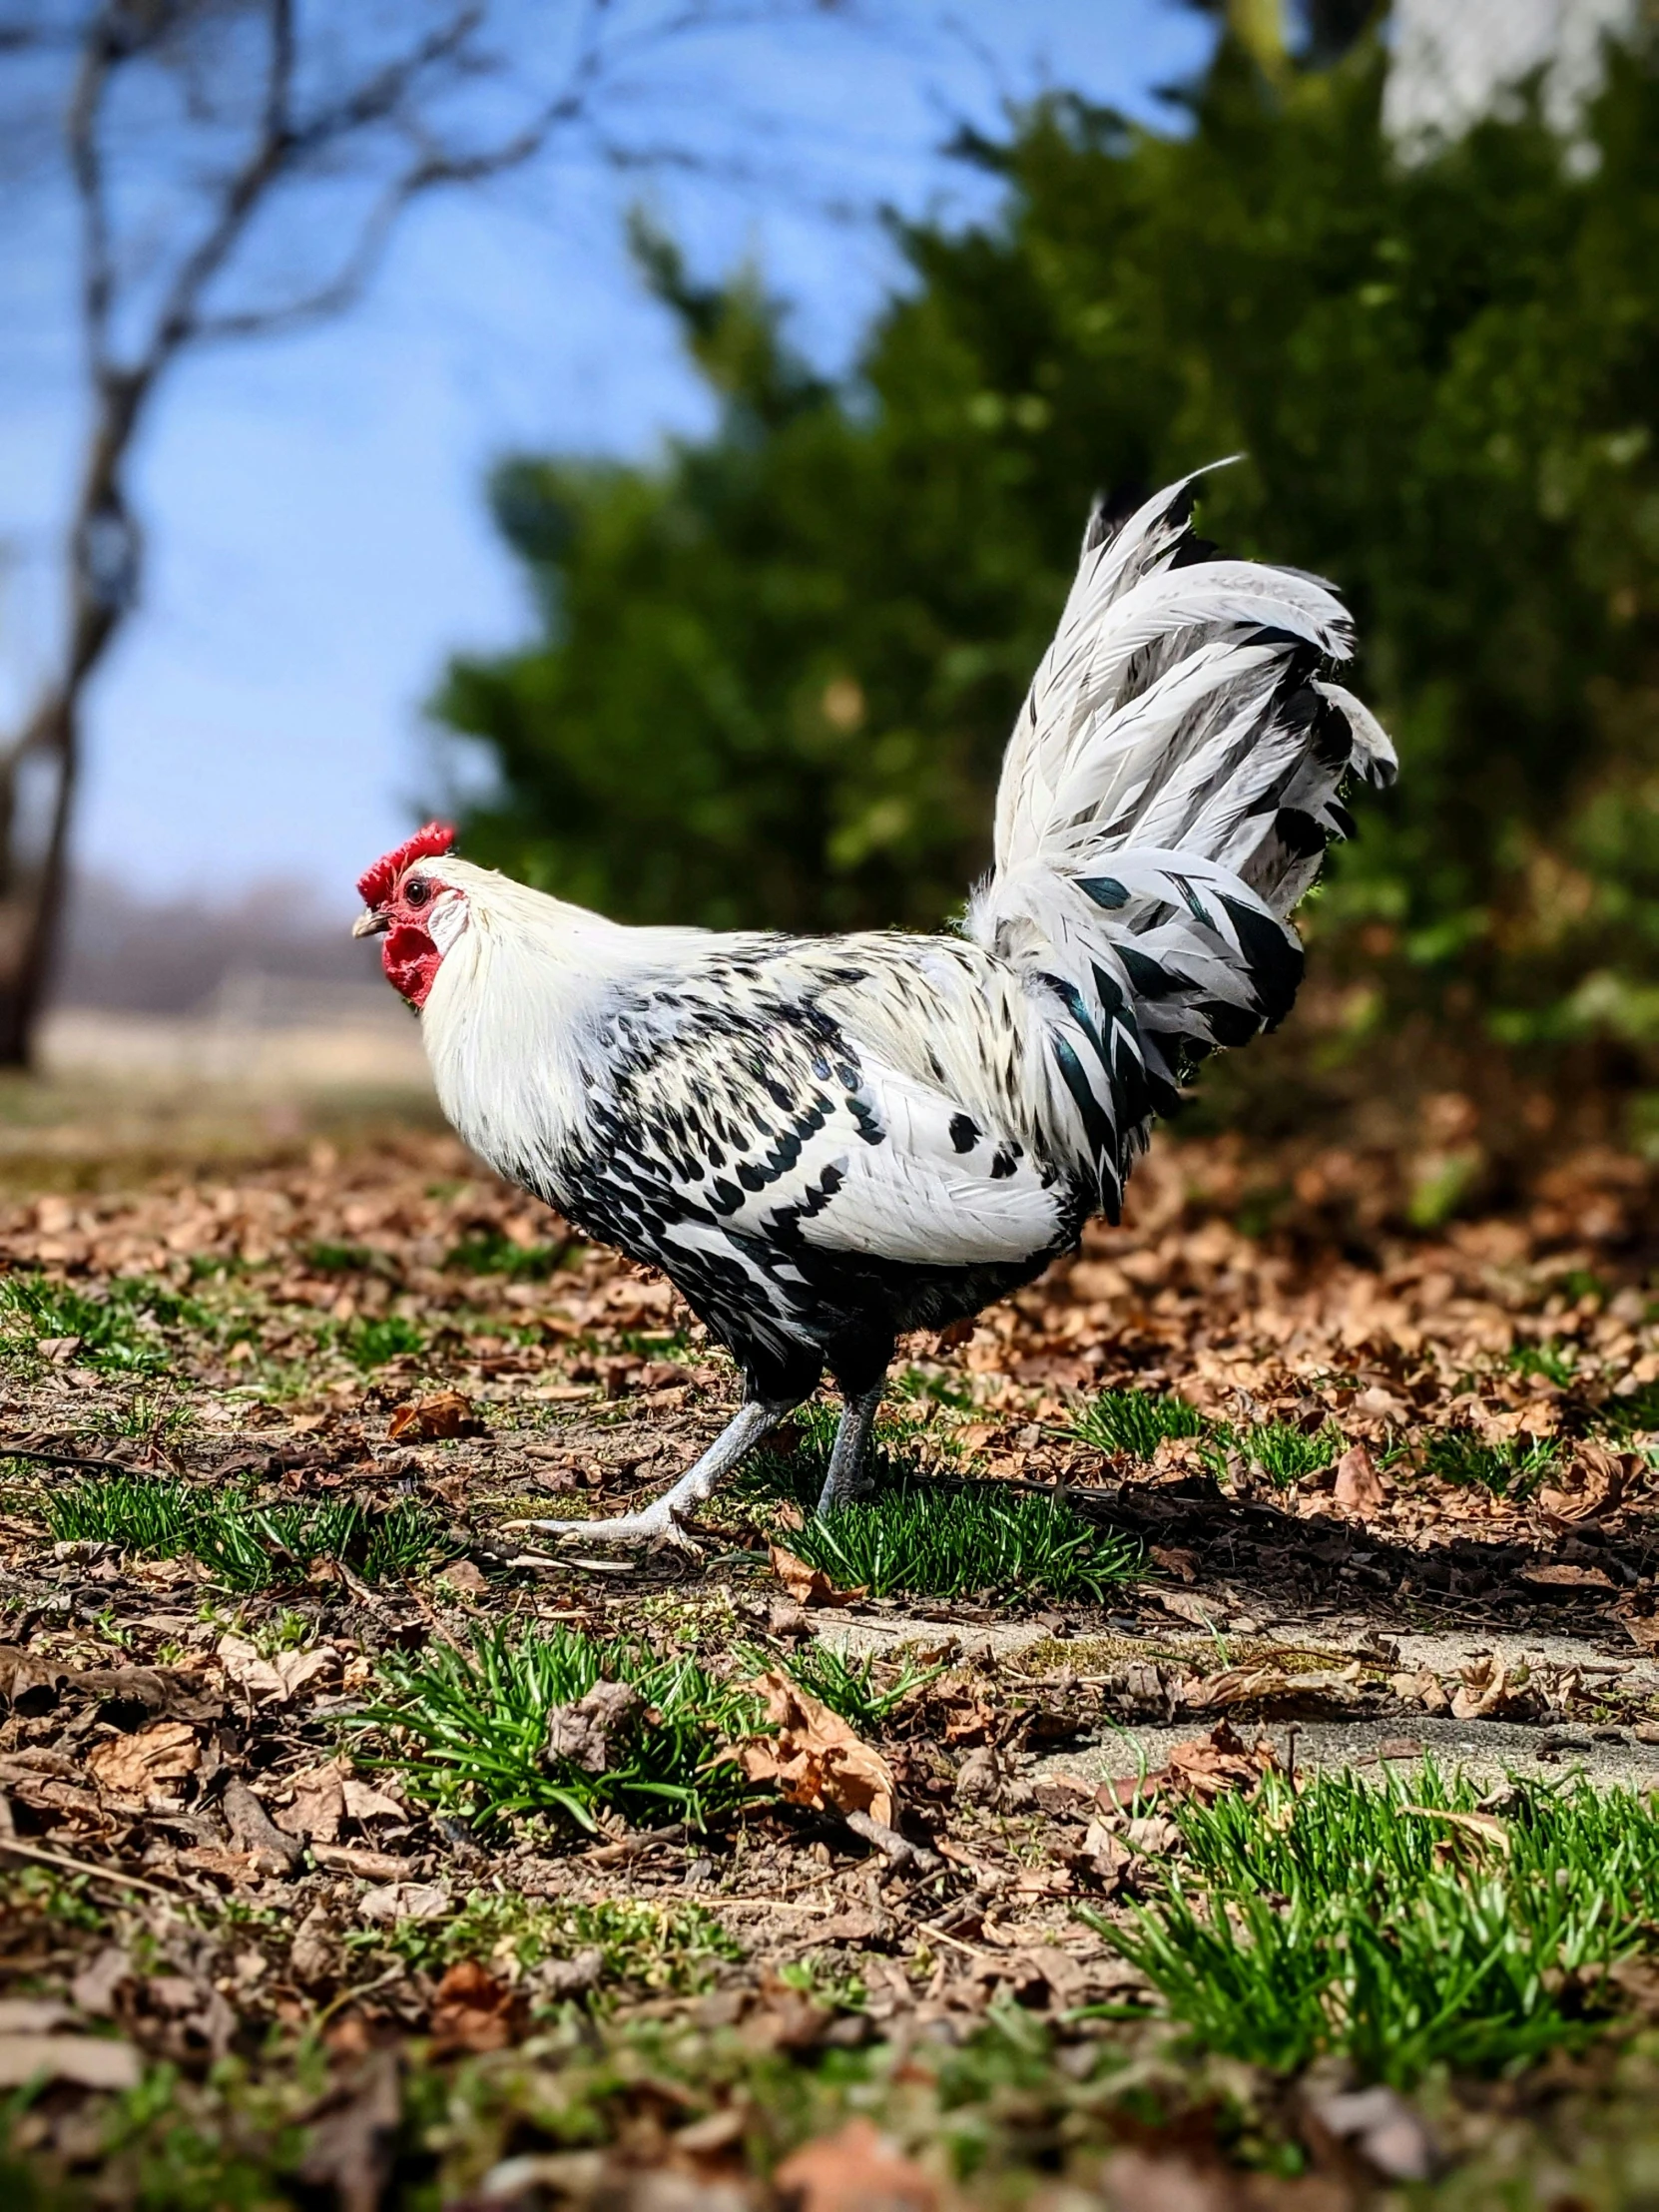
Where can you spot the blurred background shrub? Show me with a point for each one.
(775, 671)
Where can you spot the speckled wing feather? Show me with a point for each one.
(1167, 797)
(741, 1135)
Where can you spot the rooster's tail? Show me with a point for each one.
(1166, 798)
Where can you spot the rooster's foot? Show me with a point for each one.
(664, 1520)
(845, 1479)
(653, 1527)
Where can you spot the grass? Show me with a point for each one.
(470, 1729)
(488, 1252)
(246, 1547)
(1556, 1361)
(1394, 1926)
(1136, 1421)
(660, 1948)
(844, 1683)
(370, 1343)
(120, 1329)
(1509, 1468)
(923, 1541)
(1632, 1414)
(1283, 1453)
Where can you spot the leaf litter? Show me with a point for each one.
(378, 1832)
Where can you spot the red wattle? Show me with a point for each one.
(410, 960)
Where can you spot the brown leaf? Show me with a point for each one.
(1484, 1691)
(141, 1766)
(363, 1802)
(857, 2169)
(350, 2149)
(814, 1758)
(1642, 1628)
(275, 1681)
(318, 1803)
(808, 1585)
(1181, 1564)
(405, 1901)
(462, 1575)
(89, 2061)
(425, 1420)
(1358, 1486)
(472, 2010)
(1196, 1611)
(1562, 1576)
(1212, 1765)
(589, 1732)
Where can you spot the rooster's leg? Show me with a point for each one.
(842, 1485)
(662, 1519)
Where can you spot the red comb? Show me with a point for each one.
(377, 883)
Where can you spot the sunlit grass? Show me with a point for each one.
(470, 1729)
(1508, 1468)
(1136, 1421)
(1392, 1924)
(926, 1540)
(244, 1545)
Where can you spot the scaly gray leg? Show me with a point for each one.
(660, 1518)
(846, 1458)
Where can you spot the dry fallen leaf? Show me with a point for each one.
(89, 2061)
(1485, 1690)
(136, 1766)
(426, 1421)
(590, 1731)
(1181, 1564)
(1212, 1765)
(318, 1803)
(808, 1585)
(1562, 1576)
(1359, 1487)
(855, 2170)
(814, 1758)
(277, 1680)
(472, 2010)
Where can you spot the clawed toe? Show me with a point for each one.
(632, 1528)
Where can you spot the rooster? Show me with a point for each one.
(825, 1143)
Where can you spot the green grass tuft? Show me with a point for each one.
(488, 1252)
(121, 1328)
(370, 1343)
(923, 1541)
(1136, 1421)
(1508, 1470)
(244, 1545)
(471, 1727)
(1359, 1919)
(1285, 1453)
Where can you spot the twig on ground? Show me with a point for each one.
(610, 1854)
(897, 1849)
(62, 1859)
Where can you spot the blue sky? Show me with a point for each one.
(317, 533)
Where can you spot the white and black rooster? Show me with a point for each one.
(826, 1142)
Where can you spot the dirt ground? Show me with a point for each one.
(236, 1959)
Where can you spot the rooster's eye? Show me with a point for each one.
(419, 893)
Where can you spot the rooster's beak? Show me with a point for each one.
(370, 924)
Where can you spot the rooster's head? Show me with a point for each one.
(419, 914)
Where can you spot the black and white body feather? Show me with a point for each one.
(824, 1142)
